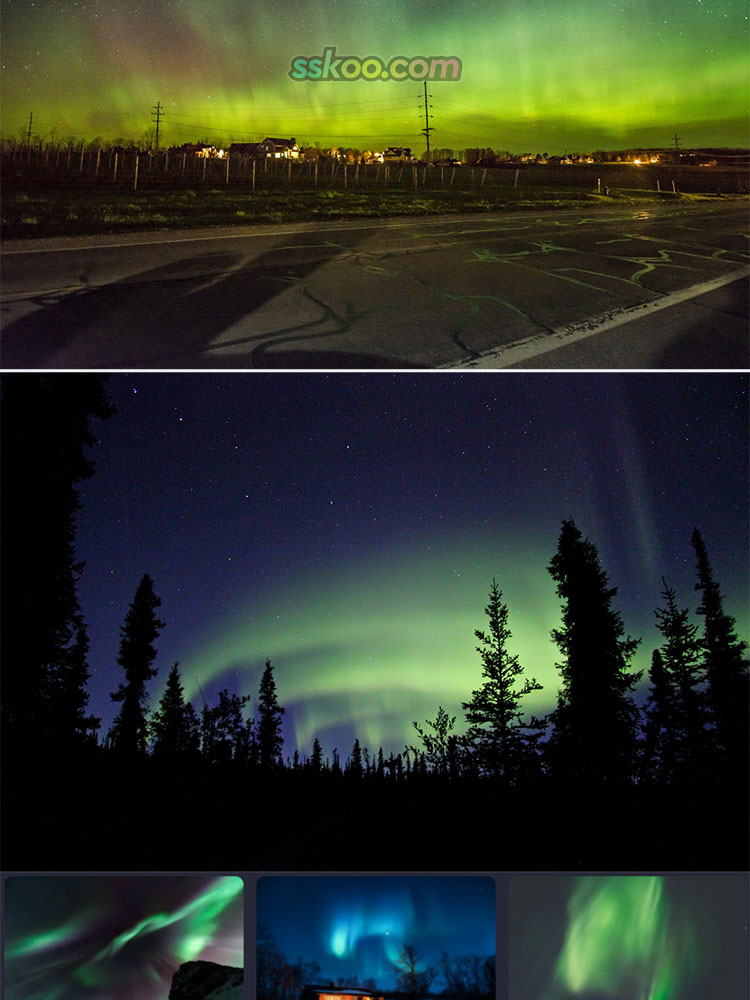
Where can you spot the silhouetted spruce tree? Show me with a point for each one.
(129, 733)
(726, 671)
(46, 427)
(316, 759)
(174, 726)
(497, 733)
(593, 740)
(355, 764)
(658, 745)
(270, 741)
(683, 673)
(437, 746)
(225, 734)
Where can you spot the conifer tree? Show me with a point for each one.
(497, 733)
(137, 654)
(682, 700)
(437, 745)
(47, 432)
(593, 741)
(174, 725)
(659, 747)
(270, 740)
(316, 760)
(355, 765)
(726, 672)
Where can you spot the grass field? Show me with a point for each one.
(55, 212)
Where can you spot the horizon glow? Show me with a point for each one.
(534, 78)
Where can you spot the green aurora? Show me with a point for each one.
(537, 76)
(620, 936)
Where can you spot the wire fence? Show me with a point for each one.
(60, 166)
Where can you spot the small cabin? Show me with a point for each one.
(337, 993)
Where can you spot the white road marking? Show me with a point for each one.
(543, 343)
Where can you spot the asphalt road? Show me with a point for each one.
(611, 288)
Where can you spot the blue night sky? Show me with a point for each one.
(357, 925)
(349, 527)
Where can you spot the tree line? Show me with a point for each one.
(692, 727)
(465, 977)
(626, 759)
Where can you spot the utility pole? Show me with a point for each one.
(676, 139)
(157, 113)
(28, 134)
(427, 127)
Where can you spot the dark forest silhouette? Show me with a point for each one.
(462, 977)
(599, 782)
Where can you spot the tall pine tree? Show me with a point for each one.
(658, 765)
(270, 740)
(174, 725)
(726, 671)
(47, 432)
(502, 741)
(593, 743)
(684, 738)
(129, 733)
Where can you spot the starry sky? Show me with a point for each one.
(640, 937)
(349, 526)
(538, 75)
(357, 925)
(86, 937)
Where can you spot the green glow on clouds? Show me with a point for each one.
(536, 76)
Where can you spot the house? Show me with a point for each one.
(286, 149)
(198, 149)
(246, 149)
(337, 993)
(397, 154)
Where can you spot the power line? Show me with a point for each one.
(159, 113)
(427, 127)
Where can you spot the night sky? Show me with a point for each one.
(359, 925)
(539, 75)
(640, 937)
(90, 937)
(349, 527)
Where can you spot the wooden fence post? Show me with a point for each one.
(226, 179)
(114, 176)
(98, 161)
(135, 178)
(253, 174)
